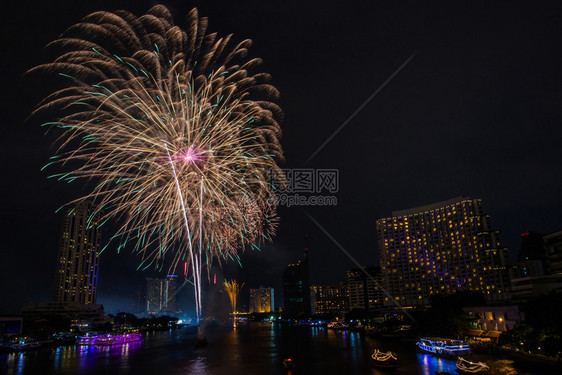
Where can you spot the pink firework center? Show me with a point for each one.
(191, 155)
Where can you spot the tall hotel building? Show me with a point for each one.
(77, 266)
(161, 295)
(261, 300)
(440, 249)
(363, 292)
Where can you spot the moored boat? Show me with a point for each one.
(109, 339)
(387, 360)
(25, 344)
(336, 326)
(443, 347)
(88, 339)
(466, 367)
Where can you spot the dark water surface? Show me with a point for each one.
(251, 348)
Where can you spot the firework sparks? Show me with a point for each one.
(178, 133)
(232, 289)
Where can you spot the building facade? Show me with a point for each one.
(329, 299)
(553, 244)
(531, 259)
(440, 249)
(78, 256)
(161, 295)
(364, 294)
(532, 247)
(496, 318)
(261, 300)
(527, 287)
(296, 288)
(81, 317)
(10, 325)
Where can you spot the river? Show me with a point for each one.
(251, 348)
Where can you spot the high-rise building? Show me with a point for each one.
(329, 299)
(364, 294)
(532, 247)
(527, 268)
(531, 259)
(296, 288)
(77, 266)
(553, 243)
(161, 295)
(261, 300)
(440, 249)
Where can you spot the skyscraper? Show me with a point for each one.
(329, 299)
(532, 247)
(261, 300)
(296, 287)
(161, 295)
(440, 249)
(553, 243)
(77, 266)
(363, 292)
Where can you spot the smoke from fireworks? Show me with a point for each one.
(180, 137)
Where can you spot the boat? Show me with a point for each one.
(288, 363)
(25, 344)
(443, 347)
(466, 367)
(384, 359)
(109, 339)
(88, 339)
(336, 326)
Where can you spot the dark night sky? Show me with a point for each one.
(476, 112)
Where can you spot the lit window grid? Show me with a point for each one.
(330, 299)
(440, 251)
(77, 268)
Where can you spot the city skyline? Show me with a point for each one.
(466, 116)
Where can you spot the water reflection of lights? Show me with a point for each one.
(355, 347)
(353, 338)
(198, 366)
(75, 356)
(314, 330)
(15, 360)
(429, 364)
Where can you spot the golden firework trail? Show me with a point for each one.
(232, 289)
(179, 135)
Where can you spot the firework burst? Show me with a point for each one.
(179, 136)
(232, 289)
